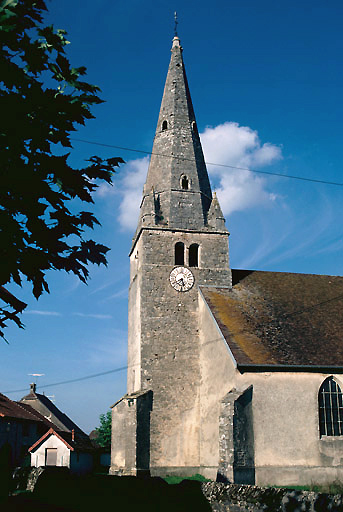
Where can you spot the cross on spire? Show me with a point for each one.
(176, 24)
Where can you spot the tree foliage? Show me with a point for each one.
(42, 100)
(103, 438)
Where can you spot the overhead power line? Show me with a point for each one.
(167, 354)
(269, 173)
(115, 370)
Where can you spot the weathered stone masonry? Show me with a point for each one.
(163, 345)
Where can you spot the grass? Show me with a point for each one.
(172, 480)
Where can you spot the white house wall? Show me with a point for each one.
(63, 452)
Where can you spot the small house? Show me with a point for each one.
(63, 449)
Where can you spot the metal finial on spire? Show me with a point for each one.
(176, 23)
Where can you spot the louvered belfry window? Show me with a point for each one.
(179, 253)
(330, 408)
(193, 255)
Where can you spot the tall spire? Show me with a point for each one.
(177, 192)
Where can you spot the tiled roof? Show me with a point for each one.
(45, 407)
(38, 416)
(81, 443)
(73, 441)
(10, 409)
(276, 318)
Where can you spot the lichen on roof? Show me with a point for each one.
(276, 318)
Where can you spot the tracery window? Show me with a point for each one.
(179, 253)
(330, 408)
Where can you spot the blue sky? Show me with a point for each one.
(266, 80)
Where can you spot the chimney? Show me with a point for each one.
(32, 387)
(73, 435)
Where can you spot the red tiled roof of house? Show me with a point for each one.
(72, 440)
(10, 409)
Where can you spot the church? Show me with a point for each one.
(233, 374)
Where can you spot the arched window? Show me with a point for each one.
(330, 408)
(193, 255)
(179, 253)
(184, 183)
(164, 125)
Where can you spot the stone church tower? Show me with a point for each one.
(181, 242)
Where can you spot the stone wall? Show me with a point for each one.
(54, 487)
(249, 498)
(164, 329)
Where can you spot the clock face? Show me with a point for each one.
(181, 279)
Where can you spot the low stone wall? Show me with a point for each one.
(250, 498)
(57, 487)
(25, 479)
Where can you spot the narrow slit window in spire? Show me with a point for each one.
(184, 183)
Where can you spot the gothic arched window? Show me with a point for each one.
(179, 253)
(164, 125)
(184, 183)
(193, 255)
(330, 408)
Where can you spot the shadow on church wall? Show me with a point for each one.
(144, 408)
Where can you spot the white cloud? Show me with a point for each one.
(132, 186)
(238, 146)
(43, 313)
(228, 144)
(117, 295)
(105, 190)
(93, 315)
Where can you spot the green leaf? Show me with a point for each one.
(39, 232)
(8, 3)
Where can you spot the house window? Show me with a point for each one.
(50, 456)
(193, 255)
(330, 408)
(179, 253)
(164, 126)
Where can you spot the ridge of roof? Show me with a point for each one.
(60, 416)
(71, 439)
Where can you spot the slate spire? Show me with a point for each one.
(177, 193)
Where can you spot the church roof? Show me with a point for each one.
(277, 319)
